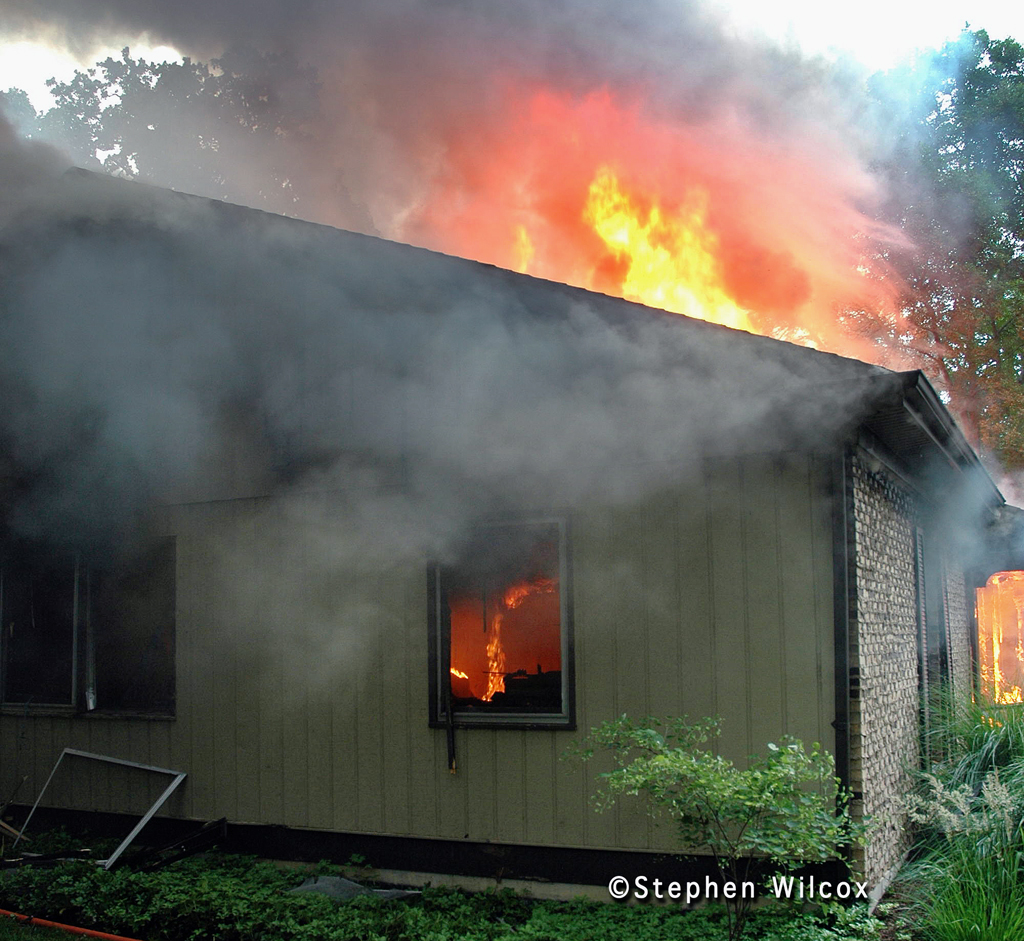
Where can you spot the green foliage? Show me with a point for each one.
(226, 898)
(968, 879)
(235, 128)
(971, 887)
(954, 182)
(782, 807)
(970, 739)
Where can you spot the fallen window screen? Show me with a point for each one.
(503, 627)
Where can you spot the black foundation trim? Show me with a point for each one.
(453, 857)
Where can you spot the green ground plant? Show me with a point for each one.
(230, 898)
(786, 807)
(967, 880)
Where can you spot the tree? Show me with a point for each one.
(235, 129)
(958, 194)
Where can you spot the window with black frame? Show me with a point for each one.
(88, 635)
(501, 642)
(40, 606)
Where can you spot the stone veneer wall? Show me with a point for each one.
(961, 625)
(884, 734)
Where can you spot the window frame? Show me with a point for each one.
(71, 704)
(84, 639)
(438, 644)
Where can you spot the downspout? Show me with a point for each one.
(843, 558)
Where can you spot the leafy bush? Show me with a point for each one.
(226, 898)
(785, 807)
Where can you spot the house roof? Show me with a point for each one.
(637, 378)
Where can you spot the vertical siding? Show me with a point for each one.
(712, 597)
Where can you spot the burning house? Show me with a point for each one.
(320, 519)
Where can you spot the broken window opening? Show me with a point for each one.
(94, 637)
(1000, 617)
(39, 606)
(501, 631)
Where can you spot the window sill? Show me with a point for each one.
(512, 723)
(37, 709)
(70, 712)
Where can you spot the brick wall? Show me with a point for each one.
(961, 625)
(884, 739)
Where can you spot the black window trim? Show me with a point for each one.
(83, 700)
(438, 659)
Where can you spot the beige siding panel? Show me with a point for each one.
(143, 784)
(732, 663)
(425, 766)
(369, 729)
(100, 739)
(822, 554)
(249, 665)
(510, 787)
(118, 746)
(65, 780)
(389, 606)
(538, 795)
(268, 553)
(480, 780)
(319, 764)
(180, 757)
(696, 650)
(344, 751)
(12, 758)
(222, 728)
(452, 795)
(624, 598)
(296, 749)
(594, 560)
(160, 743)
(205, 653)
(799, 505)
(764, 617)
(661, 600)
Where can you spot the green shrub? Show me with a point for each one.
(225, 898)
(785, 807)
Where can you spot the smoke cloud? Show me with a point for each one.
(453, 125)
(164, 349)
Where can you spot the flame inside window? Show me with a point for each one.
(505, 614)
(1000, 609)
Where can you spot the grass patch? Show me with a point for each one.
(967, 881)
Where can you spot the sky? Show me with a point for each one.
(876, 33)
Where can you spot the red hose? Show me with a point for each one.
(43, 923)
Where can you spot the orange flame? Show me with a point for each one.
(513, 596)
(670, 259)
(716, 220)
(1000, 614)
(459, 674)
